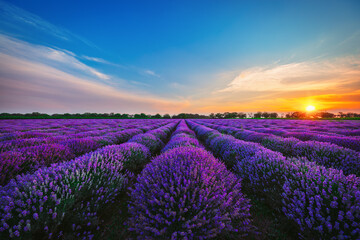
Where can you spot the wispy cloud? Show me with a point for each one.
(13, 15)
(151, 73)
(59, 58)
(17, 22)
(32, 86)
(331, 84)
(94, 59)
(141, 71)
(140, 83)
(103, 61)
(19, 15)
(299, 76)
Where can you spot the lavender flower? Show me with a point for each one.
(169, 201)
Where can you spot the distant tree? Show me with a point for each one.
(298, 115)
(241, 115)
(341, 115)
(274, 115)
(325, 115)
(140, 116)
(258, 115)
(157, 116)
(189, 115)
(219, 115)
(196, 116)
(295, 115)
(55, 115)
(234, 115)
(230, 115)
(180, 116)
(265, 115)
(352, 115)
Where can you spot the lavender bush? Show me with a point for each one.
(169, 200)
(150, 141)
(179, 142)
(62, 201)
(81, 146)
(28, 159)
(330, 155)
(136, 155)
(20, 143)
(324, 203)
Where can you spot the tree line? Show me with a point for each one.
(322, 114)
(225, 115)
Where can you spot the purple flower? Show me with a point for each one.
(17, 233)
(183, 170)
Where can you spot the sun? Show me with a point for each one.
(310, 108)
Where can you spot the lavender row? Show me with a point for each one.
(19, 129)
(347, 142)
(68, 125)
(331, 128)
(63, 200)
(323, 203)
(326, 154)
(185, 193)
(66, 200)
(182, 137)
(35, 137)
(30, 158)
(303, 134)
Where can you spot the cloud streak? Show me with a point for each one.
(39, 78)
(329, 84)
(30, 86)
(151, 73)
(19, 17)
(299, 76)
(59, 58)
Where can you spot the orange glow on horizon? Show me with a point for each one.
(347, 102)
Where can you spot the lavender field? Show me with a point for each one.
(179, 179)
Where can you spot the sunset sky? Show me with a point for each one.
(179, 56)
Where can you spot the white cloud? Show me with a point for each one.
(151, 73)
(18, 17)
(33, 86)
(62, 59)
(310, 75)
(94, 59)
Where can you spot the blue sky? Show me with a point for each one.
(179, 56)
